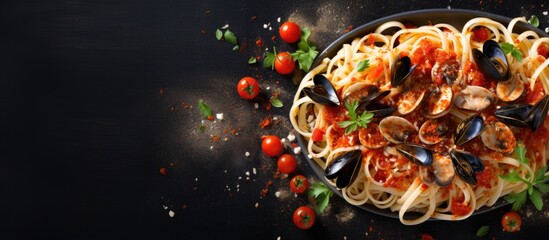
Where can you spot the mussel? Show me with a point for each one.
(474, 98)
(514, 115)
(538, 113)
(468, 129)
(396, 129)
(322, 91)
(492, 61)
(416, 154)
(497, 136)
(344, 167)
(370, 103)
(466, 165)
(401, 70)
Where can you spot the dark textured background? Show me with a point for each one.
(95, 99)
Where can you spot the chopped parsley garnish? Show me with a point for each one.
(355, 120)
(362, 65)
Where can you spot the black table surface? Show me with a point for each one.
(98, 96)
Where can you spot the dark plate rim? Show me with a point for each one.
(419, 17)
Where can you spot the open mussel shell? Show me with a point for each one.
(322, 92)
(379, 110)
(492, 61)
(442, 169)
(538, 113)
(464, 169)
(401, 70)
(370, 103)
(344, 167)
(468, 129)
(474, 161)
(416, 154)
(514, 115)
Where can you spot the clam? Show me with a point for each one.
(474, 98)
(396, 129)
(511, 90)
(497, 136)
(442, 169)
(514, 115)
(401, 70)
(492, 61)
(468, 129)
(538, 113)
(463, 167)
(416, 154)
(344, 167)
(433, 131)
(410, 100)
(322, 91)
(371, 137)
(449, 71)
(438, 102)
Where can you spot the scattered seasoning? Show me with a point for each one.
(253, 18)
(348, 29)
(259, 42)
(163, 171)
(215, 138)
(171, 213)
(266, 122)
(161, 92)
(265, 190)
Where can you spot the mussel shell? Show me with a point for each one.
(371, 100)
(538, 113)
(348, 174)
(416, 154)
(379, 110)
(492, 61)
(468, 129)
(336, 167)
(323, 91)
(464, 170)
(514, 115)
(473, 160)
(401, 70)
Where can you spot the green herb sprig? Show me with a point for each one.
(534, 21)
(510, 48)
(355, 120)
(205, 110)
(535, 188)
(229, 36)
(269, 59)
(321, 194)
(362, 65)
(306, 52)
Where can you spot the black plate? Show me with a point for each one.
(454, 17)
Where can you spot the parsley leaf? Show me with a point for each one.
(269, 59)
(482, 231)
(517, 199)
(252, 60)
(321, 194)
(230, 37)
(306, 52)
(534, 21)
(520, 152)
(276, 102)
(218, 34)
(205, 110)
(535, 198)
(355, 120)
(362, 65)
(510, 48)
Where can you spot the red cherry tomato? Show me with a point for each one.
(299, 184)
(248, 88)
(304, 217)
(290, 32)
(271, 145)
(511, 221)
(284, 63)
(286, 163)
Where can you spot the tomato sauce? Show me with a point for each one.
(484, 177)
(459, 208)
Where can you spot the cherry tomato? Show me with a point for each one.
(248, 88)
(304, 217)
(284, 63)
(290, 32)
(511, 221)
(271, 145)
(299, 184)
(286, 163)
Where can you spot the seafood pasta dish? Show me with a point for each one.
(426, 121)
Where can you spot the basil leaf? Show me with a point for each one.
(218, 34)
(362, 65)
(534, 21)
(230, 37)
(506, 47)
(252, 60)
(517, 54)
(205, 110)
(276, 102)
(482, 231)
(535, 198)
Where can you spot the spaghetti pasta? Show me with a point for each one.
(442, 56)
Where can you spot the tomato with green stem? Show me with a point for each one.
(290, 32)
(248, 88)
(286, 163)
(284, 63)
(271, 145)
(304, 217)
(511, 221)
(299, 184)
